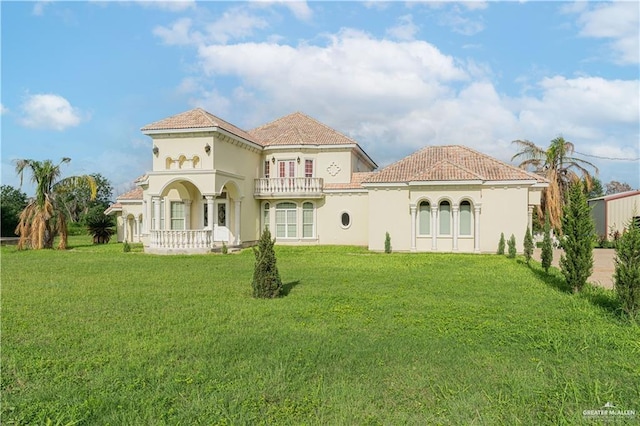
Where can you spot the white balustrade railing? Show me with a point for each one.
(288, 186)
(187, 239)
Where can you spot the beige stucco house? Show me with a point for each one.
(613, 213)
(213, 183)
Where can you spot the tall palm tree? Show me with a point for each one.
(43, 217)
(558, 165)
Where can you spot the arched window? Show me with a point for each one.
(465, 218)
(424, 218)
(286, 220)
(307, 220)
(444, 214)
(266, 218)
(345, 220)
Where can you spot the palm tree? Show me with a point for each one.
(43, 217)
(100, 226)
(558, 165)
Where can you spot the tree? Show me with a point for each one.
(546, 257)
(596, 189)
(627, 272)
(512, 247)
(100, 227)
(266, 278)
(528, 245)
(12, 202)
(44, 217)
(615, 187)
(76, 199)
(558, 165)
(576, 263)
(387, 243)
(501, 244)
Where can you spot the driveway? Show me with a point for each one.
(603, 265)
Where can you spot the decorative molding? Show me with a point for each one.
(333, 169)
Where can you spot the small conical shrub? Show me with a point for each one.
(266, 278)
(528, 245)
(627, 273)
(387, 243)
(547, 248)
(501, 244)
(512, 247)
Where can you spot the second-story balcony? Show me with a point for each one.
(299, 187)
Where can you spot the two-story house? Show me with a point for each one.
(214, 183)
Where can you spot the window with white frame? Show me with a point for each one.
(177, 215)
(307, 220)
(424, 218)
(286, 225)
(465, 218)
(308, 168)
(266, 216)
(444, 216)
(267, 169)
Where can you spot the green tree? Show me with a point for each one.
(558, 165)
(387, 243)
(501, 244)
(12, 202)
(528, 245)
(596, 188)
(627, 272)
(77, 202)
(101, 228)
(44, 217)
(577, 226)
(512, 247)
(546, 257)
(266, 278)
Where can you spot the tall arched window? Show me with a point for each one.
(266, 217)
(465, 218)
(424, 218)
(444, 214)
(307, 220)
(286, 220)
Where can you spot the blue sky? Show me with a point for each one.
(79, 79)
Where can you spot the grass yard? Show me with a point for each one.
(95, 336)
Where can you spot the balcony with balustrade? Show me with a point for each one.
(280, 188)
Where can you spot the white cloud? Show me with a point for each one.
(235, 23)
(615, 21)
(177, 34)
(405, 30)
(3, 109)
(299, 8)
(38, 7)
(49, 111)
(171, 5)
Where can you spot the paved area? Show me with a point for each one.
(603, 265)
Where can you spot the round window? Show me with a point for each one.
(345, 219)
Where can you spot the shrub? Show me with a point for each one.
(547, 247)
(577, 226)
(512, 247)
(100, 227)
(266, 278)
(528, 245)
(501, 244)
(387, 243)
(627, 273)
(126, 247)
(224, 249)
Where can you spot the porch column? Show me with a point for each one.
(210, 210)
(530, 218)
(125, 227)
(187, 214)
(413, 209)
(137, 227)
(156, 212)
(476, 228)
(237, 220)
(144, 225)
(456, 212)
(434, 227)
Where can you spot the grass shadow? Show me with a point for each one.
(602, 298)
(287, 287)
(551, 279)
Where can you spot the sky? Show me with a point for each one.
(79, 79)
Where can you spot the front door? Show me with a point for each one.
(221, 229)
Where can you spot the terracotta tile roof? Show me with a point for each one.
(356, 181)
(134, 194)
(196, 119)
(453, 163)
(113, 208)
(299, 129)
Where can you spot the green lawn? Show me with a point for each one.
(96, 336)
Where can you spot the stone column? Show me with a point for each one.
(530, 218)
(187, 214)
(125, 225)
(237, 223)
(136, 231)
(413, 209)
(476, 228)
(455, 209)
(434, 227)
(144, 223)
(156, 212)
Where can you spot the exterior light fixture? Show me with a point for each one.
(155, 150)
(298, 160)
(207, 148)
(273, 160)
